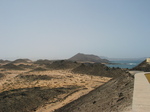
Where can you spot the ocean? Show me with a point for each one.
(124, 64)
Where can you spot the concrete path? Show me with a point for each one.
(141, 94)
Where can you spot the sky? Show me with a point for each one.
(59, 29)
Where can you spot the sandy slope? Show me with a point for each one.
(9, 76)
(114, 96)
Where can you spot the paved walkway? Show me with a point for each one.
(141, 94)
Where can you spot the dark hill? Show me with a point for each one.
(144, 66)
(26, 66)
(98, 69)
(43, 62)
(22, 61)
(62, 64)
(88, 58)
(11, 66)
(39, 69)
(4, 61)
(113, 96)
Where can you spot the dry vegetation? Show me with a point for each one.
(148, 77)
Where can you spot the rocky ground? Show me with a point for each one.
(144, 66)
(45, 86)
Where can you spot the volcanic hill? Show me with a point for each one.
(88, 58)
(144, 66)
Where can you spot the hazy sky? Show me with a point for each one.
(58, 29)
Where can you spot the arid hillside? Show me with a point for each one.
(43, 86)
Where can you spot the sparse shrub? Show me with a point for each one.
(1, 75)
(39, 69)
(35, 77)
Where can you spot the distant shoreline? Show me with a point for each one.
(123, 64)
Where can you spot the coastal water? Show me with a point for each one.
(124, 64)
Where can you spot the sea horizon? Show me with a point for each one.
(124, 63)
